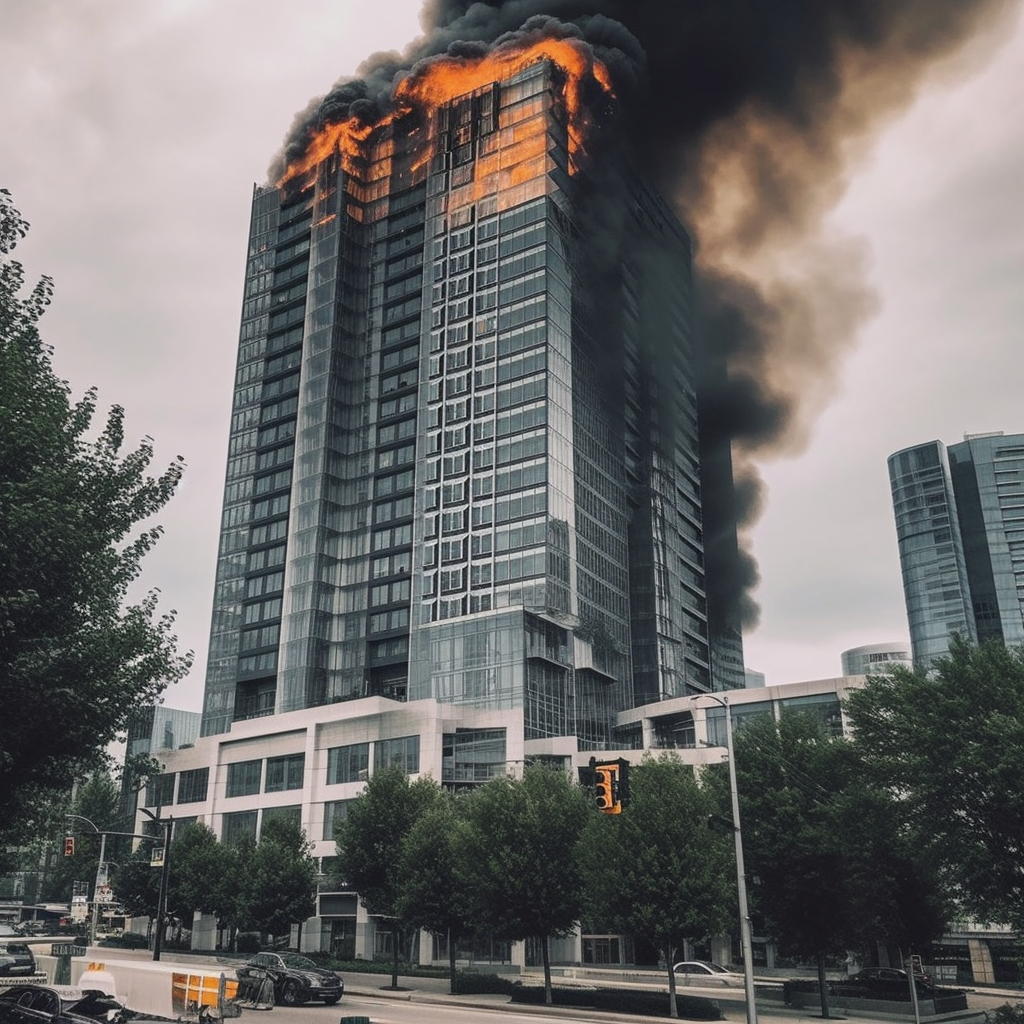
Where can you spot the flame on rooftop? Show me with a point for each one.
(433, 83)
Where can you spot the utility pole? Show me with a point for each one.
(101, 879)
(165, 867)
(746, 941)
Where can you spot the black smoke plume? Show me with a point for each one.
(748, 114)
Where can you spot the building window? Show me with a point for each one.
(334, 811)
(403, 753)
(291, 814)
(243, 778)
(193, 785)
(348, 764)
(284, 773)
(472, 756)
(160, 791)
(237, 826)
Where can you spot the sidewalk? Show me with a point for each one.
(733, 1006)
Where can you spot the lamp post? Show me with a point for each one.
(741, 877)
(165, 867)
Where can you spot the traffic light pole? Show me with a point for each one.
(100, 875)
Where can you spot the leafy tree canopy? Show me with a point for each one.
(369, 838)
(279, 888)
(836, 866)
(518, 857)
(950, 745)
(75, 657)
(659, 869)
(431, 894)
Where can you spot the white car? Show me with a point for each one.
(703, 972)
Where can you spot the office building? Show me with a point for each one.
(464, 463)
(960, 526)
(870, 658)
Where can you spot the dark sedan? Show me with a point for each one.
(296, 979)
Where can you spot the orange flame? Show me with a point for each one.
(445, 78)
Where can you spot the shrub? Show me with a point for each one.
(248, 942)
(613, 1000)
(470, 983)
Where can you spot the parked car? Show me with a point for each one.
(882, 983)
(16, 959)
(704, 972)
(296, 979)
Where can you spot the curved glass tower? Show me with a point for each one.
(960, 526)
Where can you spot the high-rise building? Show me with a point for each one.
(960, 526)
(869, 658)
(464, 460)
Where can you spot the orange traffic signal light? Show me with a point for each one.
(69, 846)
(606, 788)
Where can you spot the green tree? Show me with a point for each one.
(950, 744)
(518, 857)
(136, 883)
(98, 801)
(75, 658)
(836, 868)
(369, 841)
(279, 887)
(203, 875)
(658, 869)
(430, 895)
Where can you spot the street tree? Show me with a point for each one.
(949, 743)
(430, 895)
(836, 868)
(661, 869)
(136, 883)
(96, 807)
(279, 887)
(518, 857)
(369, 841)
(75, 657)
(204, 876)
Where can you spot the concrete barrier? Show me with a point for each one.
(155, 988)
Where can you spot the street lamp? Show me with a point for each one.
(161, 901)
(741, 877)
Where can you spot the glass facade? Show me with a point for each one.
(960, 525)
(451, 473)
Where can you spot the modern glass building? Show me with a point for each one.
(464, 461)
(960, 526)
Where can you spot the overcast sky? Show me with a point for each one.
(132, 133)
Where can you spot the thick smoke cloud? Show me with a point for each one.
(748, 114)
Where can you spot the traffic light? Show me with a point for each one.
(606, 788)
(69, 846)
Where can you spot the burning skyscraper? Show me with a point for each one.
(465, 461)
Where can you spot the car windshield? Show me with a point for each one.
(294, 960)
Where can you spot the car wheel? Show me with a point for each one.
(290, 994)
(331, 1000)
